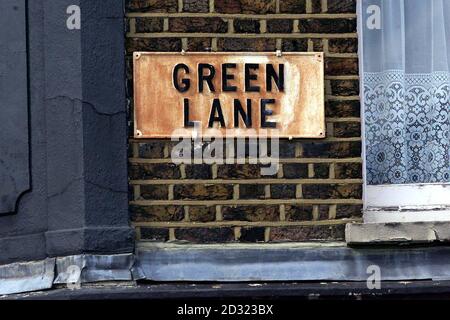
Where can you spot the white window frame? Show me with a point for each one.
(397, 202)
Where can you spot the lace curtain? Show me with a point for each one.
(406, 87)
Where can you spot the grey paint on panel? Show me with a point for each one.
(78, 202)
(14, 144)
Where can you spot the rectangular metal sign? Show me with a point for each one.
(239, 94)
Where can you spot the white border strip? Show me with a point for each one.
(359, 19)
(408, 195)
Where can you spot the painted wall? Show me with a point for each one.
(77, 200)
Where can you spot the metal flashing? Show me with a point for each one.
(289, 262)
(27, 276)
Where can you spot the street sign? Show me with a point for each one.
(240, 94)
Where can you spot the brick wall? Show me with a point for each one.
(318, 188)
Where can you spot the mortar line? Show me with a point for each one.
(281, 160)
(315, 213)
(186, 214)
(332, 212)
(267, 234)
(173, 225)
(308, 6)
(272, 16)
(172, 234)
(247, 36)
(219, 216)
(246, 181)
(324, 5)
(282, 212)
(132, 25)
(246, 202)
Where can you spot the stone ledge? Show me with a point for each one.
(392, 233)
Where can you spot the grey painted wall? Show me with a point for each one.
(78, 200)
(14, 148)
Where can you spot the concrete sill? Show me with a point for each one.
(397, 233)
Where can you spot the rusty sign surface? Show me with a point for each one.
(240, 94)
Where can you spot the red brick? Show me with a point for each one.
(215, 25)
(295, 170)
(245, 6)
(239, 171)
(154, 192)
(323, 213)
(152, 5)
(149, 24)
(252, 234)
(286, 148)
(142, 171)
(153, 44)
(283, 191)
(341, 66)
(321, 170)
(348, 211)
(239, 44)
(199, 44)
(341, 6)
(151, 150)
(154, 234)
(251, 191)
(298, 212)
(251, 213)
(348, 170)
(308, 233)
(332, 191)
(246, 26)
(196, 5)
(202, 213)
(344, 87)
(349, 45)
(293, 6)
(156, 213)
(317, 45)
(347, 129)
(289, 45)
(203, 191)
(351, 108)
(198, 171)
(205, 235)
(332, 149)
(327, 25)
(279, 26)
(316, 6)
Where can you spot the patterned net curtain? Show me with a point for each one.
(406, 83)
